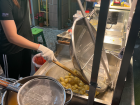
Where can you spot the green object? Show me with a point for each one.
(36, 33)
(45, 7)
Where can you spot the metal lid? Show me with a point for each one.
(83, 50)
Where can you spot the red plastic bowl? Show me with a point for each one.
(39, 60)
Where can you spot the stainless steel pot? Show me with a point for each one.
(10, 98)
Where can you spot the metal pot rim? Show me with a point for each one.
(38, 76)
(48, 78)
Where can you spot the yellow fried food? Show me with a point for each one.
(69, 86)
(83, 89)
(81, 92)
(69, 74)
(69, 79)
(61, 79)
(76, 78)
(86, 94)
(81, 84)
(66, 80)
(66, 87)
(75, 71)
(86, 87)
(66, 76)
(73, 81)
(73, 87)
(75, 84)
(96, 93)
(63, 83)
(75, 91)
(79, 88)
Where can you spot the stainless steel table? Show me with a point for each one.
(128, 92)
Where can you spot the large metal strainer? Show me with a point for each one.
(83, 53)
(39, 91)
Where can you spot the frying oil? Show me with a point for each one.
(12, 99)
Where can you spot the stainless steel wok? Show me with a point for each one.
(18, 99)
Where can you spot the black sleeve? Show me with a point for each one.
(6, 10)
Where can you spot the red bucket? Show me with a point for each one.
(38, 61)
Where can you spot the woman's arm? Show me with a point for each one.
(10, 30)
(12, 36)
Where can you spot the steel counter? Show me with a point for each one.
(128, 92)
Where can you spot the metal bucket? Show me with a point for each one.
(10, 98)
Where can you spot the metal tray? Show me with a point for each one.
(53, 70)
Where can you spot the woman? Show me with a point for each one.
(16, 39)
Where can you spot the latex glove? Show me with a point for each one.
(46, 53)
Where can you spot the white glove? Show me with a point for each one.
(46, 53)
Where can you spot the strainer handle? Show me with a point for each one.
(70, 97)
(4, 83)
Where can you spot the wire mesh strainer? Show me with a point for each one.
(39, 91)
(83, 52)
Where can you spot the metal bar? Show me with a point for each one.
(47, 12)
(85, 5)
(39, 5)
(106, 70)
(69, 3)
(87, 22)
(59, 14)
(92, 12)
(98, 48)
(127, 55)
(32, 9)
(130, 18)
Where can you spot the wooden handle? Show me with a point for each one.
(69, 70)
(63, 42)
(4, 83)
